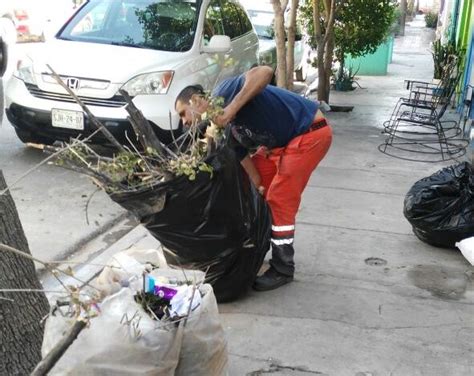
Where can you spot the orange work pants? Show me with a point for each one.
(285, 172)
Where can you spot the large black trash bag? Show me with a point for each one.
(441, 207)
(219, 224)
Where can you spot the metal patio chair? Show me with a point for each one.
(416, 129)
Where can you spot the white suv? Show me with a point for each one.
(151, 48)
(262, 17)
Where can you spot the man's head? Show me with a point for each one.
(190, 104)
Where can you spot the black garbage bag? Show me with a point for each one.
(441, 207)
(219, 224)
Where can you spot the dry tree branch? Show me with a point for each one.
(34, 290)
(47, 159)
(88, 202)
(63, 262)
(46, 364)
(138, 153)
(142, 127)
(7, 248)
(171, 129)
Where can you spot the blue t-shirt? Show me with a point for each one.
(272, 118)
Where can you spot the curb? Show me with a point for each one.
(119, 225)
(89, 261)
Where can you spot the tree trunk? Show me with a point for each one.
(323, 90)
(341, 65)
(21, 331)
(280, 40)
(290, 51)
(325, 46)
(325, 71)
(403, 16)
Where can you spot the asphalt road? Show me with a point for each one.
(56, 206)
(59, 209)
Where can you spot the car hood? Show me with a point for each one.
(116, 64)
(266, 44)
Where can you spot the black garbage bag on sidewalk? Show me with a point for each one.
(440, 207)
(218, 224)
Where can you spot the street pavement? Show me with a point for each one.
(60, 210)
(369, 298)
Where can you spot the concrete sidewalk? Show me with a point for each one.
(369, 299)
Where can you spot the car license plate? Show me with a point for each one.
(67, 119)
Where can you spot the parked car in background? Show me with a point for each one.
(35, 20)
(150, 48)
(26, 17)
(262, 17)
(3, 65)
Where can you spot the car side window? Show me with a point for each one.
(245, 23)
(232, 25)
(213, 22)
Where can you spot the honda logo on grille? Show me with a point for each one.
(72, 83)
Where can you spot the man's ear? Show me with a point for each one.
(195, 99)
(199, 103)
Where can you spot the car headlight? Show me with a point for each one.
(149, 83)
(24, 72)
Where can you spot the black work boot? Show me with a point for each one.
(271, 280)
(282, 268)
(283, 258)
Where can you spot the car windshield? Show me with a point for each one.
(167, 25)
(262, 22)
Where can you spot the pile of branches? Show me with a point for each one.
(144, 161)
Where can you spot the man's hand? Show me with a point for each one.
(225, 118)
(253, 174)
(256, 79)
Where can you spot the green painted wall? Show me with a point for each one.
(464, 31)
(375, 64)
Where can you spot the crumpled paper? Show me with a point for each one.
(181, 301)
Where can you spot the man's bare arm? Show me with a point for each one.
(256, 79)
(252, 172)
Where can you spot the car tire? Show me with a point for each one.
(2, 101)
(28, 137)
(301, 74)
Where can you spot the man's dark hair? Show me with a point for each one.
(187, 93)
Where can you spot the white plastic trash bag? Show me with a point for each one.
(125, 340)
(126, 266)
(466, 247)
(122, 340)
(204, 347)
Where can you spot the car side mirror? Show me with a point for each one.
(3, 57)
(218, 43)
